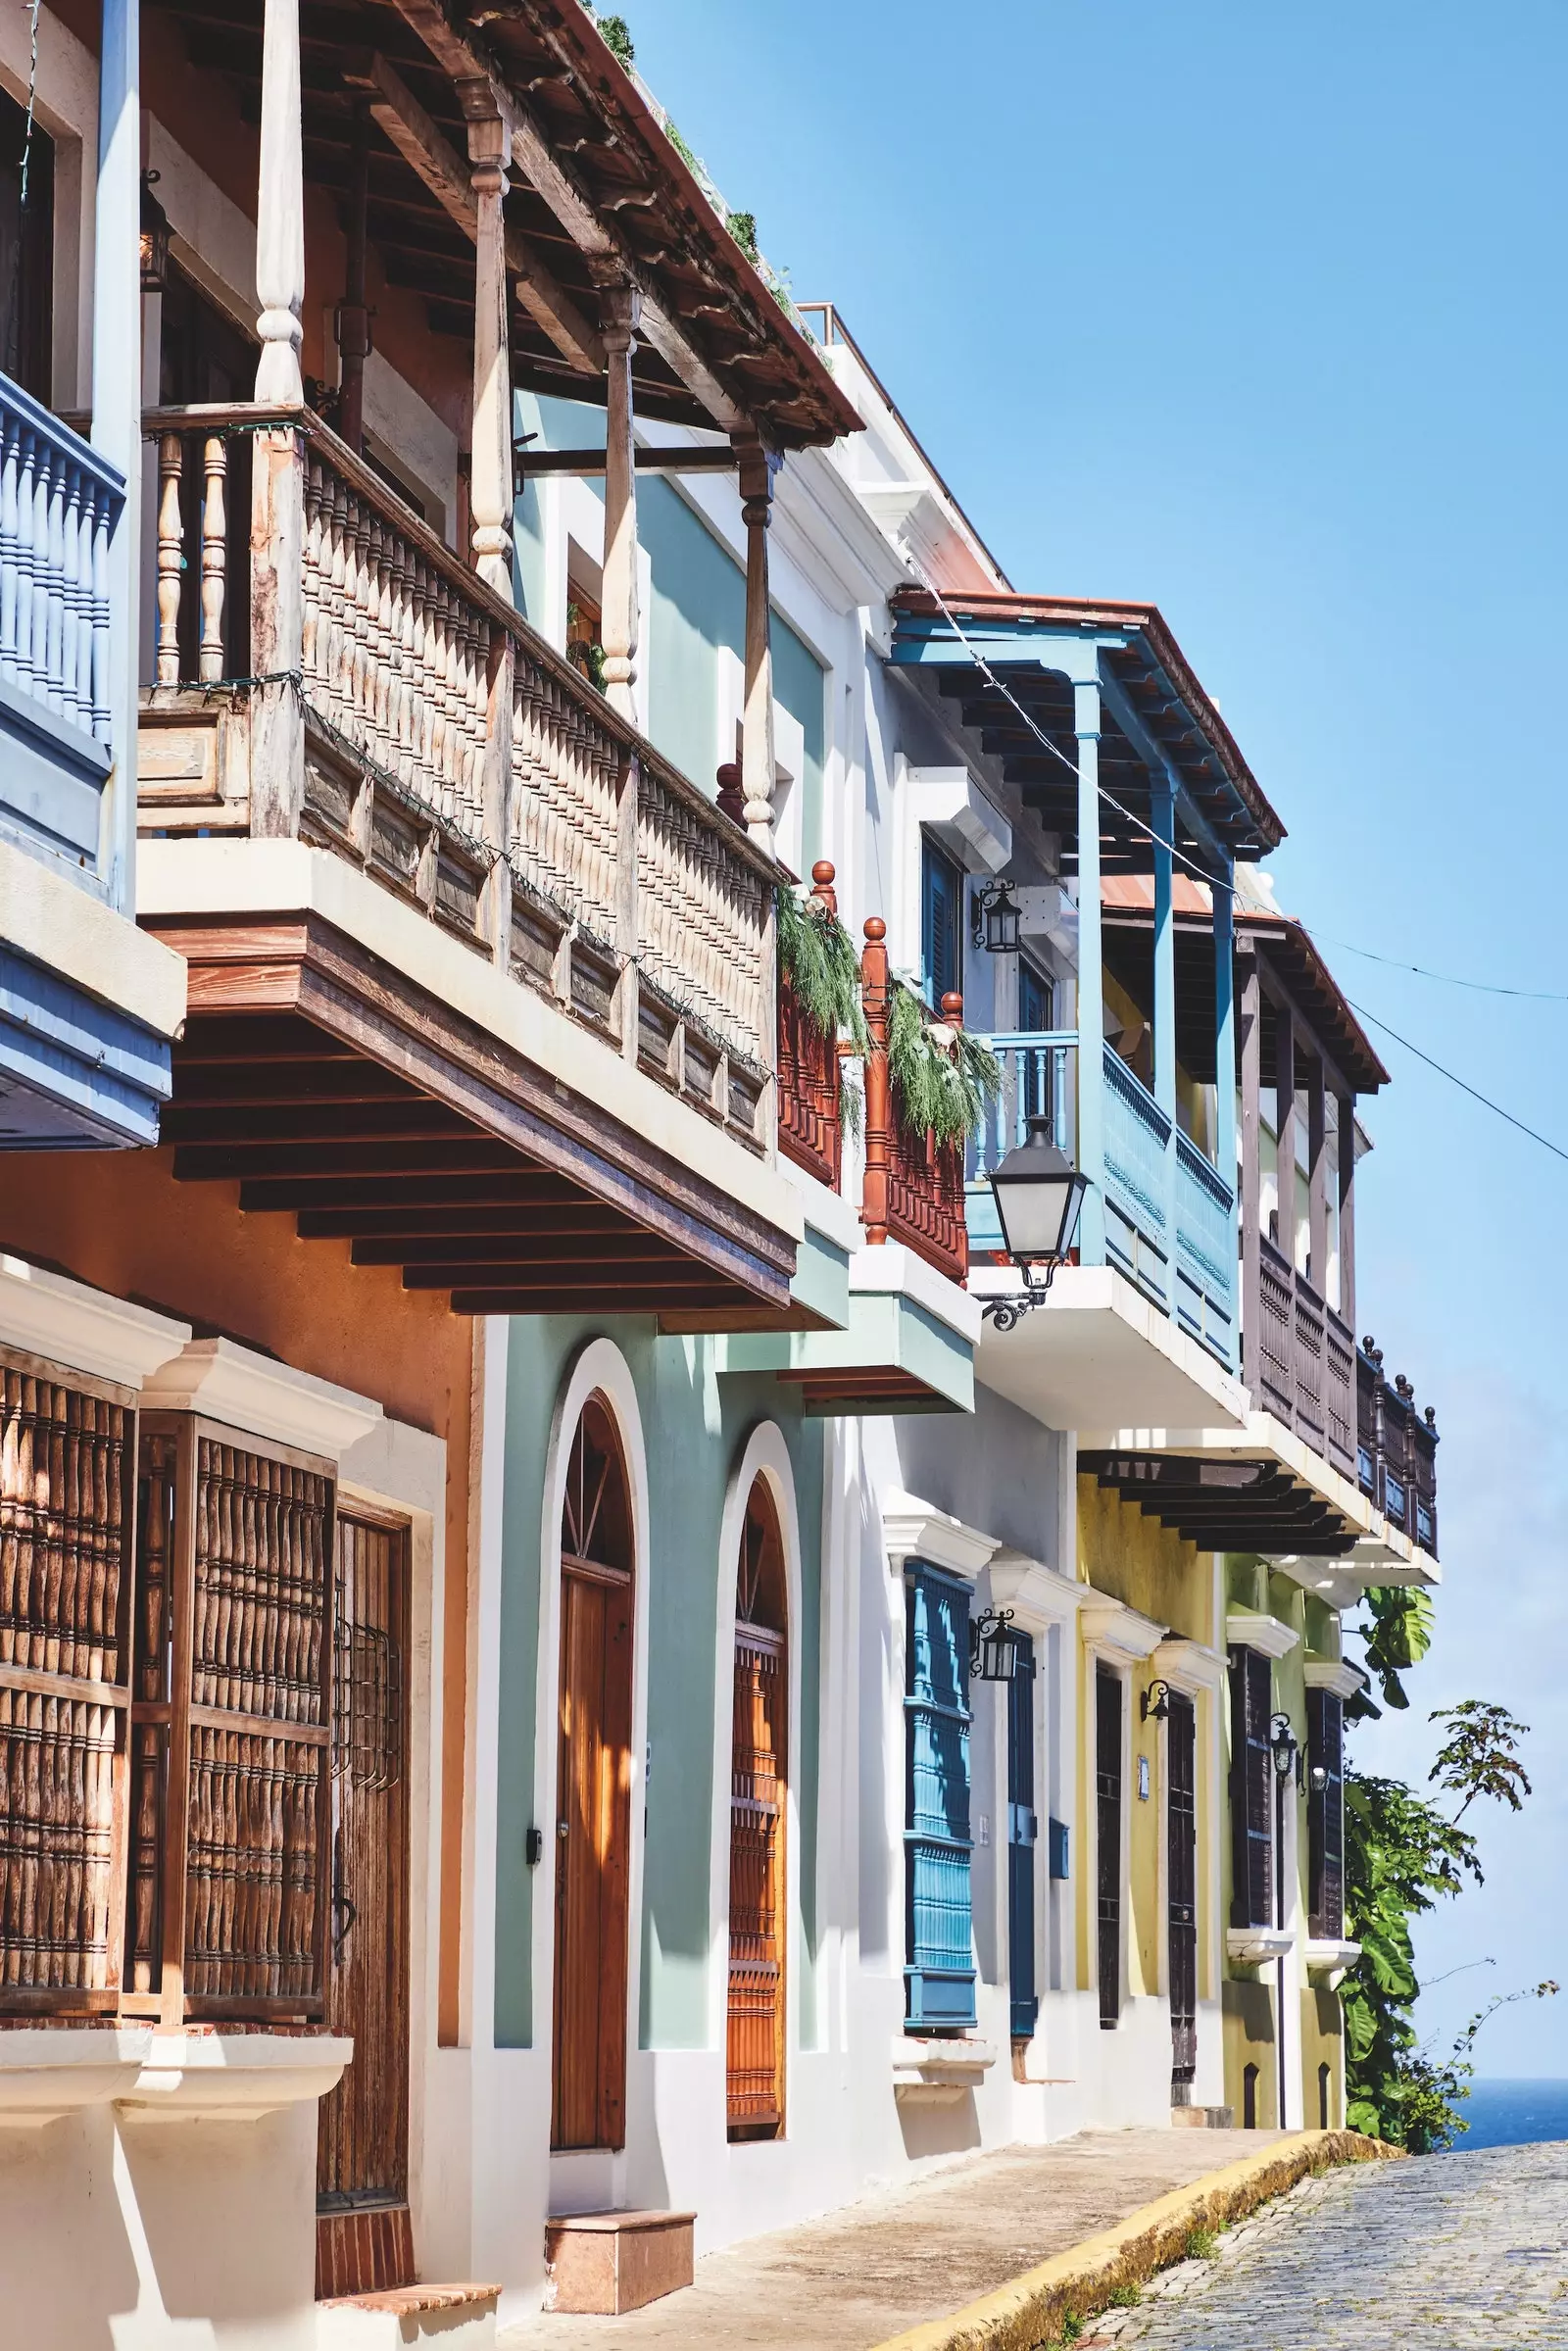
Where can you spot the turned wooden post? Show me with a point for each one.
(170, 557)
(277, 630)
(353, 322)
(758, 466)
(280, 211)
(822, 889)
(620, 307)
(214, 559)
(490, 481)
(875, 996)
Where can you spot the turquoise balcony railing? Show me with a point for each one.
(1169, 1216)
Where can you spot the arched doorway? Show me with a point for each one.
(593, 1789)
(759, 1780)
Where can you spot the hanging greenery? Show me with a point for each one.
(616, 33)
(818, 956)
(937, 1091)
(743, 228)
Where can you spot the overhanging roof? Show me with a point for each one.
(1146, 670)
(1226, 1505)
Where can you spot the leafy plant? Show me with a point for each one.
(1479, 1757)
(818, 956)
(685, 153)
(937, 1091)
(1397, 1637)
(743, 228)
(1126, 2297)
(616, 33)
(1201, 2245)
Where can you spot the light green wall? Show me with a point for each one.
(694, 1427)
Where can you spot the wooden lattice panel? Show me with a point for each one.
(809, 1130)
(925, 1200)
(757, 1882)
(63, 1548)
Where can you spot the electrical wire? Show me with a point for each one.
(1449, 979)
(1463, 1084)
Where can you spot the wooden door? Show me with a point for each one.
(759, 1780)
(593, 1792)
(364, 2238)
(1023, 1829)
(1181, 1873)
(1107, 1827)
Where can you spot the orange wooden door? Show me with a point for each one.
(593, 1796)
(759, 1758)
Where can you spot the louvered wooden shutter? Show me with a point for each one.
(66, 1484)
(1325, 1815)
(1108, 1839)
(230, 1727)
(940, 1976)
(1252, 1791)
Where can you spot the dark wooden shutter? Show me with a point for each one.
(1107, 1824)
(939, 1975)
(1325, 1815)
(67, 1478)
(754, 2066)
(1252, 1791)
(1023, 1830)
(1181, 1832)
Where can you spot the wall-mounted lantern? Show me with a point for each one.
(1154, 1701)
(1284, 1747)
(997, 920)
(993, 1646)
(154, 238)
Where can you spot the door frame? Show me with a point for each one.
(764, 1455)
(598, 1368)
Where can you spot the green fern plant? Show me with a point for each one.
(945, 1095)
(616, 33)
(818, 956)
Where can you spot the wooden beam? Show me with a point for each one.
(567, 1298)
(529, 1251)
(404, 1234)
(406, 1195)
(227, 1162)
(589, 463)
(427, 151)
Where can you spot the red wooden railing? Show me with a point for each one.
(913, 1187)
(809, 1128)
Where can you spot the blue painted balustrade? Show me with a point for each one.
(59, 503)
(1169, 1217)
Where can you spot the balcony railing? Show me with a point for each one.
(1396, 1448)
(809, 1128)
(912, 1188)
(1303, 1367)
(448, 751)
(1036, 1082)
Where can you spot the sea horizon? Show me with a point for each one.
(1505, 2111)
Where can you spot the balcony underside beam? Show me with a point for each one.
(1226, 1506)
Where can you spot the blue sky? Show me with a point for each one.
(1259, 313)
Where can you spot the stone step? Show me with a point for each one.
(1203, 2118)
(607, 2262)
(460, 2318)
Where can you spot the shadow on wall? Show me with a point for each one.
(952, 2128)
(998, 1472)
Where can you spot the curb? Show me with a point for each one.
(1029, 2312)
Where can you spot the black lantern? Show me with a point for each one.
(1155, 1701)
(992, 1649)
(998, 921)
(154, 238)
(1283, 1746)
(1039, 1196)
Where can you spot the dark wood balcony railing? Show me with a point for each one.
(913, 1186)
(1301, 1359)
(446, 749)
(810, 1129)
(1396, 1449)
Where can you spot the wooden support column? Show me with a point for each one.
(758, 764)
(353, 320)
(1225, 1029)
(280, 211)
(117, 364)
(1252, 1162)
(1285, 1128)
(1090, 982)
(620, 308)
(1347, 1182)
(490, 485)
(277, 630)
(1317, 1182)
(875, 996)
(1162, 824)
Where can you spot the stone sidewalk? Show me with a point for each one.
(1443, 2253)
(908, 2254)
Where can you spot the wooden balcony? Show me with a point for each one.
(370, 697)
(1396, 1449)
(1302, 1366)
(912, 1190)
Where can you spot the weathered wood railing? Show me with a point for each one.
(912, 1188)
(809, 1128)
(1301, 1358)
(1396, 1449)
(386, 703)
(58, 501)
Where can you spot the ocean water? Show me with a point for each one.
(1513, 2114)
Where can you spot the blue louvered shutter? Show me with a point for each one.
(940, 1976)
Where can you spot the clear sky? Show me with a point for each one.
(1260, 313)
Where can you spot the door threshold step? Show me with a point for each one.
(460, 2318)
(605, 2263)
(1203, 2118)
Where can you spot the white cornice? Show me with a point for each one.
(1263, 1633)
(916, 1529)
(1035, 1593)
(249, 1392)
(87, 1330)
(1188, 1664)
(1110, 1625)
(1334, 1674)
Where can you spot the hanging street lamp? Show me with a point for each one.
(1040, 1196)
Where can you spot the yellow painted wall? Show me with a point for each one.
(1322, 2043)
(1246, 2009)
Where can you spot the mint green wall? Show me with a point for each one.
(694, 1427)
(697, 611)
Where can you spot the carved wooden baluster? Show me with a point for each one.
(334, 560)
(170, 556)
(874, 996)
(363, 702)
(215, 558)
(312, 626)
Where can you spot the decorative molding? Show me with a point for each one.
(916, 1529)
(1331, 1962)
(939, 2073)
(46, 2074)
(245, 1390)
(1110, 1625)
(231, 2076)
(82, 1328)
(1263, 1632)
(1336, 1674)
(1035, 1593)
(1256, 1946)
(1190, 1665)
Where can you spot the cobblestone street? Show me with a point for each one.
(1443, 2253)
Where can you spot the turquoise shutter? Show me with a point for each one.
(939, 1941)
